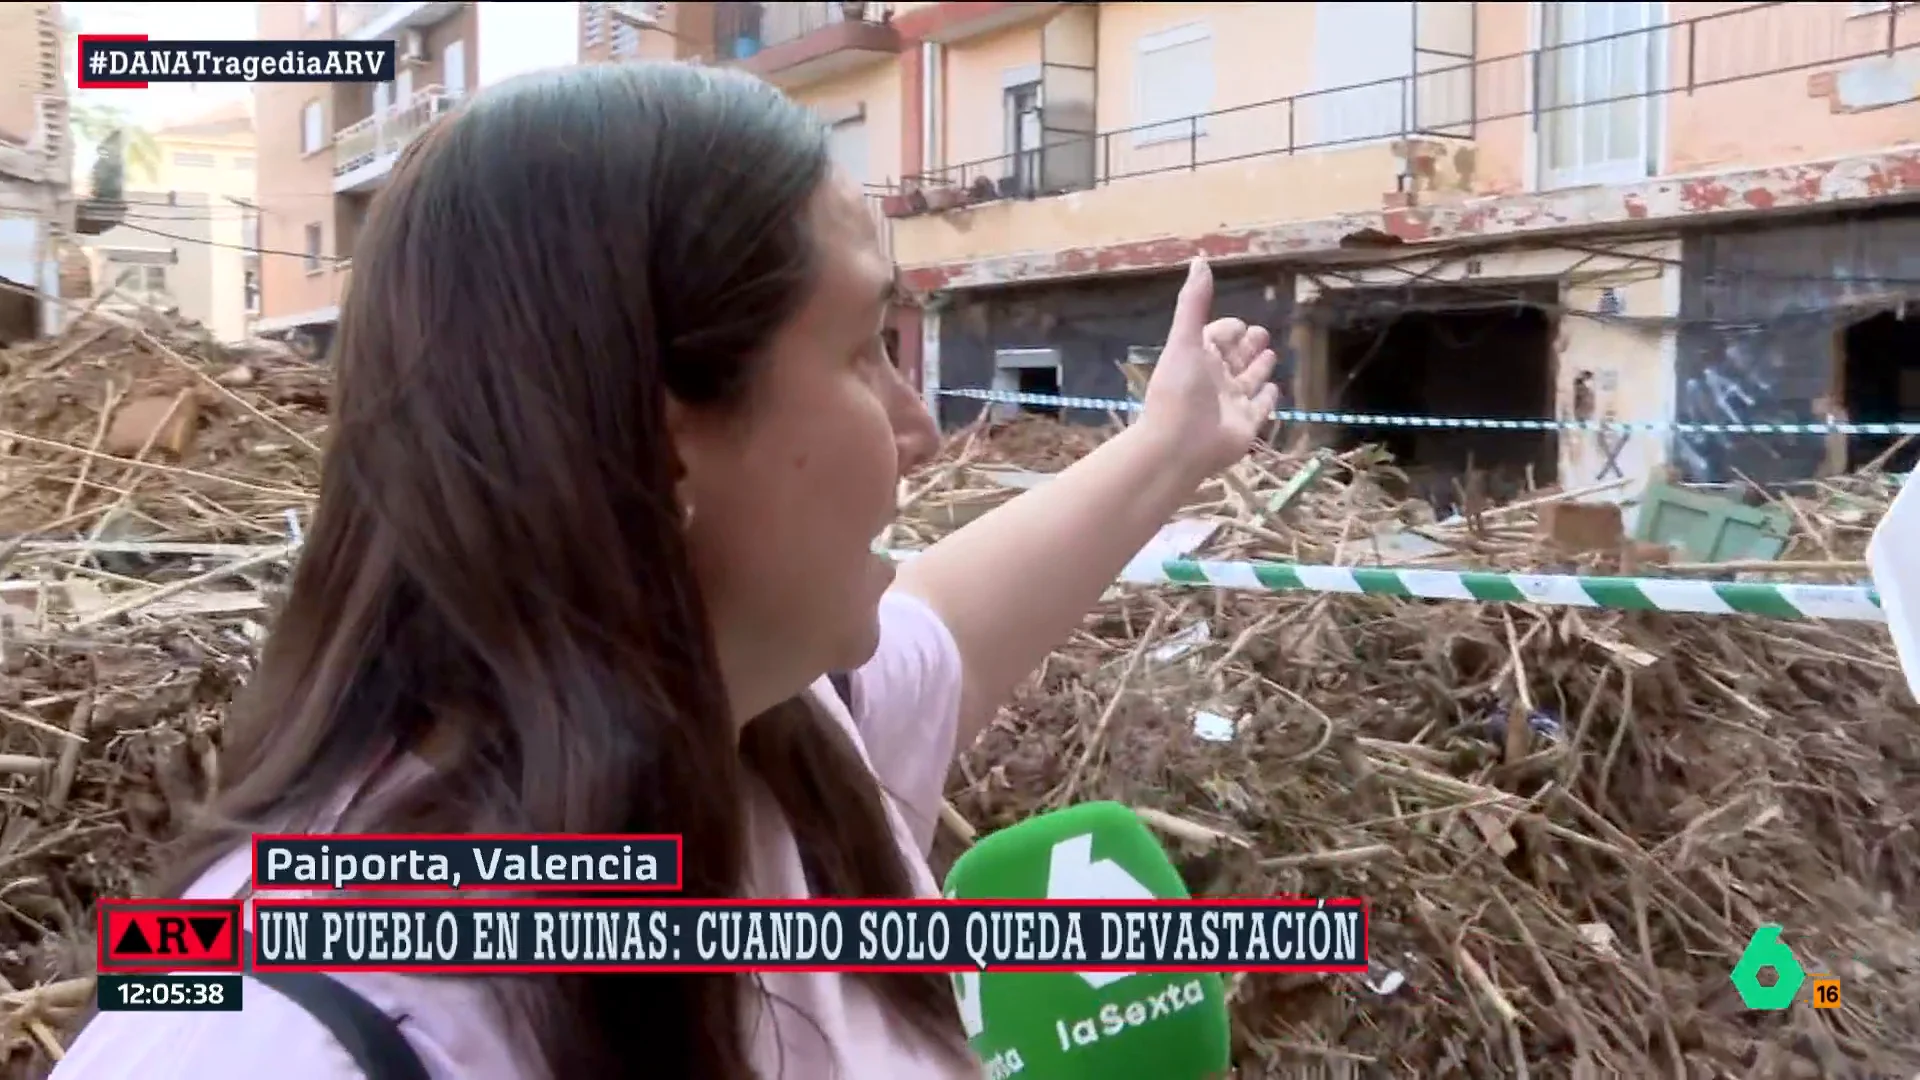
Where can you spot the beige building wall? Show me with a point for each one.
(1744, 110)
(164, 256)
(872, 93)
(210, 162)
(973, 122)
(1799, 116)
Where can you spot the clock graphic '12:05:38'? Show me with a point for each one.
(169, 992)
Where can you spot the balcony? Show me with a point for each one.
(959, 20)
(364, 152)
(643, 15)
(372, 22)
(1758, 85)
(793, 44)
(876, 202)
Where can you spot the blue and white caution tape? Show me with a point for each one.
(1847, 603)
(1300, 416)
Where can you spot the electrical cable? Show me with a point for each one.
(235, 247)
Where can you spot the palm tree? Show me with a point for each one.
(99, 124)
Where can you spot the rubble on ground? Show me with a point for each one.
(1566, 821)
(1565, 895)
(140, 464)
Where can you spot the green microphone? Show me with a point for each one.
(1096, 1025)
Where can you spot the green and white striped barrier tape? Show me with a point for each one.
(1847, 603)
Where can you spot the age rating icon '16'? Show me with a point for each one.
(169, 935)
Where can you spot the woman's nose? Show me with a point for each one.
(915, 434)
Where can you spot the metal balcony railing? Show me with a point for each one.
(384, 133)
(876, 208)
(744, 29)
(1451, 102)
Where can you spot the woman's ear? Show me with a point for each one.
(686, 459)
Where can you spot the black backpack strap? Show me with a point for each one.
(843, 685)
(371, 1037)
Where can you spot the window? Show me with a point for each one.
(194, 161)
(626, 40)
(313, 248)
(596, 20)
(382, 98)
(1022, 104)
(1173, 84)
(154, 279)
(250, 234)
(313, 12)
(1596, 52)
(453, 67)
(243, 162)
(847, 145)
(313, 128)
(403, 87)
(252, 287)
(1362, 60)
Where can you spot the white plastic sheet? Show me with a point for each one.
(1894, 556)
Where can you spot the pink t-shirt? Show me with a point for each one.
(908, 699)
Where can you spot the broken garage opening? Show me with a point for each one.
(1026, 371)
(1449, 352)
(1880, 356)
(19, 316)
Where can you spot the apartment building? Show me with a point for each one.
(38, 215)
(841, 59)
(1560, 212)
(324, 150)
(1655, 212)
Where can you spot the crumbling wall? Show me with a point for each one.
(1093, 324)
(1760, 310)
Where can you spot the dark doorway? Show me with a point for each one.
(1044, 381)
(1882, 358)
(1484, 362)
(19, 316)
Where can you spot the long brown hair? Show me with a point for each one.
(497, 558)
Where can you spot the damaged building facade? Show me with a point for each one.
(40, 217)
(1552, 212)
(1655, 213)
(35, 163)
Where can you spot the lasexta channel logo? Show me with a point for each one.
(1765, 951)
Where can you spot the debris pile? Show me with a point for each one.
(1567, 821)
(149, 483)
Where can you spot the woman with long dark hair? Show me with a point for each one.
(614, 432)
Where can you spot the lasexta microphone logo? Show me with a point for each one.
(1109, 1024)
